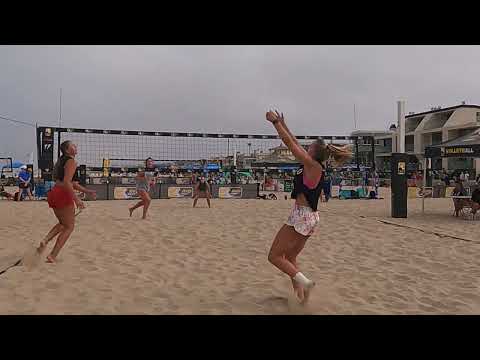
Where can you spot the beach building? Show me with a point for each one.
(431, 127)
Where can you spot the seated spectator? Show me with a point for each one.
(5, 194)
(459, 204)
(459, 189)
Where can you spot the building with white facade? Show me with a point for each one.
(428, 128)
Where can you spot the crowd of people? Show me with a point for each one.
(449, 178)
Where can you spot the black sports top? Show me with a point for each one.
(202, 186)
(312, 195)
(59, 170)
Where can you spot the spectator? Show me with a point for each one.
(24, 178)
(475, 201)
(5, 194)
(446, 179)
(459, 189)
(327, 186)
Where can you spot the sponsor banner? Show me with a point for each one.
(288, 186)
(106, 167)
(461, 151)
(180, 192)
(350, 187)
(416, 192)
(122, 193)
(183, 181)
(128, 181)
(428, 192)
(227, 192)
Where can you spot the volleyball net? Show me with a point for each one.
(125, 151)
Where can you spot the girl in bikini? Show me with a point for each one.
(144, 181)
(63, 199)
(291, 238)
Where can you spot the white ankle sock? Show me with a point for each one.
(303, 280)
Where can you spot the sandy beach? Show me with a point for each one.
(214, 261)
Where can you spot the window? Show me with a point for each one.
(478, 117)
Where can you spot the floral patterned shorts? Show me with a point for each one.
(303, 219)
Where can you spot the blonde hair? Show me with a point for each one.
(340, 154)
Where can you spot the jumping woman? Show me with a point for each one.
(144, 181)
(307, 188)
(62, 199)
(202, 190)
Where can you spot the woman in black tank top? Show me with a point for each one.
(308, 182)
(62, 199)
(202, 190)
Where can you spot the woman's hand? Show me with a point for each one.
(93, 194)
(274, 117)
(79, 203)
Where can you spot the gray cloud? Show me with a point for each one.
(226, 88)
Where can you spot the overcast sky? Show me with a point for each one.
(226, 88)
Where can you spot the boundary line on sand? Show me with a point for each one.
(391, 223)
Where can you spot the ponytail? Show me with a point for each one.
(59, 164)
(341, 154)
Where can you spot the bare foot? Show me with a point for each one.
(131, 211)
(50, 259)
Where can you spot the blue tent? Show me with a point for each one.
(17, 164)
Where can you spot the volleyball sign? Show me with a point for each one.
(226, 192)
(180, 192)
(124, 193)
